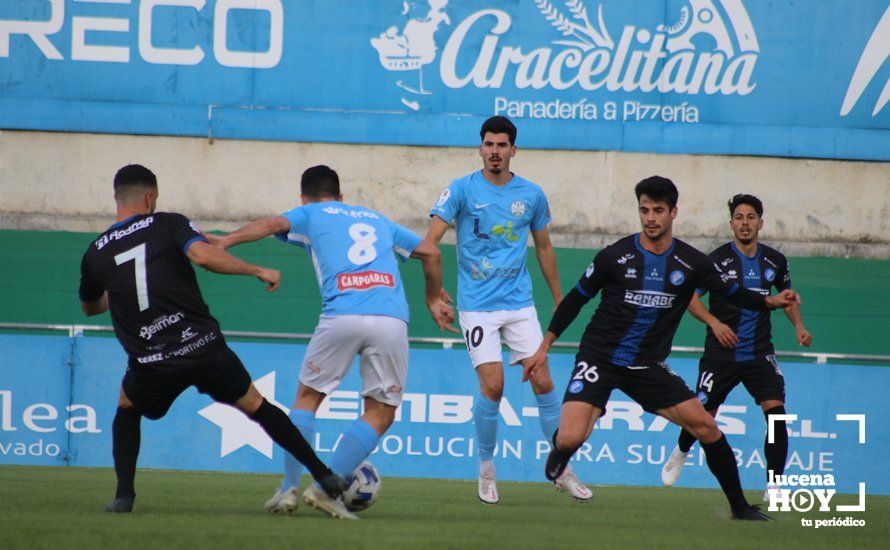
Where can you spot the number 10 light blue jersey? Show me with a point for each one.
(354, 253)
(492, 225)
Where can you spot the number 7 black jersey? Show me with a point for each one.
(156, 307)
(644, 297)
(768, 268)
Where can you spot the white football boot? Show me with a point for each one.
(285, 502)
(569, 483)
(670, 473)
(314, 497)
(488, 489)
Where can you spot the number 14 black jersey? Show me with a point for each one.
(156, 307)
(644, 297)
(768, 268)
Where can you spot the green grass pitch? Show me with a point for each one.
(62, 508)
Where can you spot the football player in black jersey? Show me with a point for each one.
(647, 280)
(140, 269)
(738, 345)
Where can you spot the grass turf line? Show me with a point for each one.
(62, 508)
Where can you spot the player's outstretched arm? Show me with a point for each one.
(431, 258)
(217, 260)
(566, 312)
(722, 332)
(547, 260)
(804, 338)
(254, 231)
(711, 278)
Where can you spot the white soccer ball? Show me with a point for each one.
(364, 488)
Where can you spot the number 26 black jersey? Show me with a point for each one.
(644, 297)
(157, 310)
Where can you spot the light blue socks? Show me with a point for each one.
(305, 422)
(485, 417)
(549, 409)
(355, 445)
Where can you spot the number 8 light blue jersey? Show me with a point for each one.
(354, 253)
(492, 225)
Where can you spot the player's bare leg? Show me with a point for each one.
(485, 418)
(776, 453)
(549, 413)
(575, 426)
(126, 436)
(692, 416)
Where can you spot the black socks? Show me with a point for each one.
(776, 453)
(721, 462)
(557, 460)
(288, 437)
(685, 441)
(126, 435)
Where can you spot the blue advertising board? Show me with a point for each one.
(744, 77)
(49, 417)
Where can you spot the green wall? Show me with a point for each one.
(846, 303)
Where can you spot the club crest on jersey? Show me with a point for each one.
(576, 386)
(677, 277)
(517, 208)
(769, 274)
(703, 397)
(365, 280)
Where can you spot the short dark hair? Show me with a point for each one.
(499, 125)
(658, 188)
(133, 175)
(319, 182)
(750, 200)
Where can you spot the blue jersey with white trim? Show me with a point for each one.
(644, 297)
(492, 225)
(767, 269)
(353, 250)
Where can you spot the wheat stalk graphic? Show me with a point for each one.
(588, 36)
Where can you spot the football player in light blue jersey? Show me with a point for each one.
(494, 211)
(364, 313)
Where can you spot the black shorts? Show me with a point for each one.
(762, 378)
(653, 386)
(153, 389)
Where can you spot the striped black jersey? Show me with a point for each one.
(644, 296)
(157, 310)
(767, 269)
